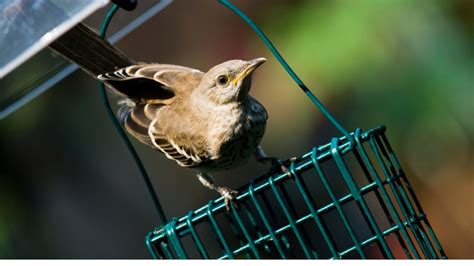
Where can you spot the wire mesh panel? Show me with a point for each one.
(341, 201)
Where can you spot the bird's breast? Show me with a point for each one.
(235, 136)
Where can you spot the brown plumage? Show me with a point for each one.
(206, 121)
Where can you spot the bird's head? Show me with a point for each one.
(229, 81)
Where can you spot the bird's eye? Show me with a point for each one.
(222, 80)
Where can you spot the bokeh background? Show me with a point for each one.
(69, 188)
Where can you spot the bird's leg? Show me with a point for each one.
(277, 164)
(227, 193)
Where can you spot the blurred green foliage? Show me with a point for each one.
(407, 63)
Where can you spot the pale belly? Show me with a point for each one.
(237, 150)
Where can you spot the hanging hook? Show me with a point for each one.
(128, 5)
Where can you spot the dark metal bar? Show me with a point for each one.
(218, 231)
(247, 236)
(254, 225)
(151, 248)
(166, 250)
(292, 209)
(348, 227)
(265, 222)
(174, 240)
(311, 206)
(235, 232)
(370, 240)
(366, 161)
(297, 233)
(195, 236)
(425, 244)
(349, 180)
(391, 184)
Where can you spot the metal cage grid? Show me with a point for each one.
(375, 215)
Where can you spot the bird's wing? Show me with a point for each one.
(187, 149)
(152, 81)
(180, 141)
(187, 153)
(136, 121)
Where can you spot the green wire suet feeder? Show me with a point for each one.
(294, 224)
(349, 198)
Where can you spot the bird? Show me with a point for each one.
(201, 120)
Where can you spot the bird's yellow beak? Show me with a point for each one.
(253, 64)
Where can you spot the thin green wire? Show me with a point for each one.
(290, 71)
(118, 127)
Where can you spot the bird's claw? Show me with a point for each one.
(229, 196)
(278, 165)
